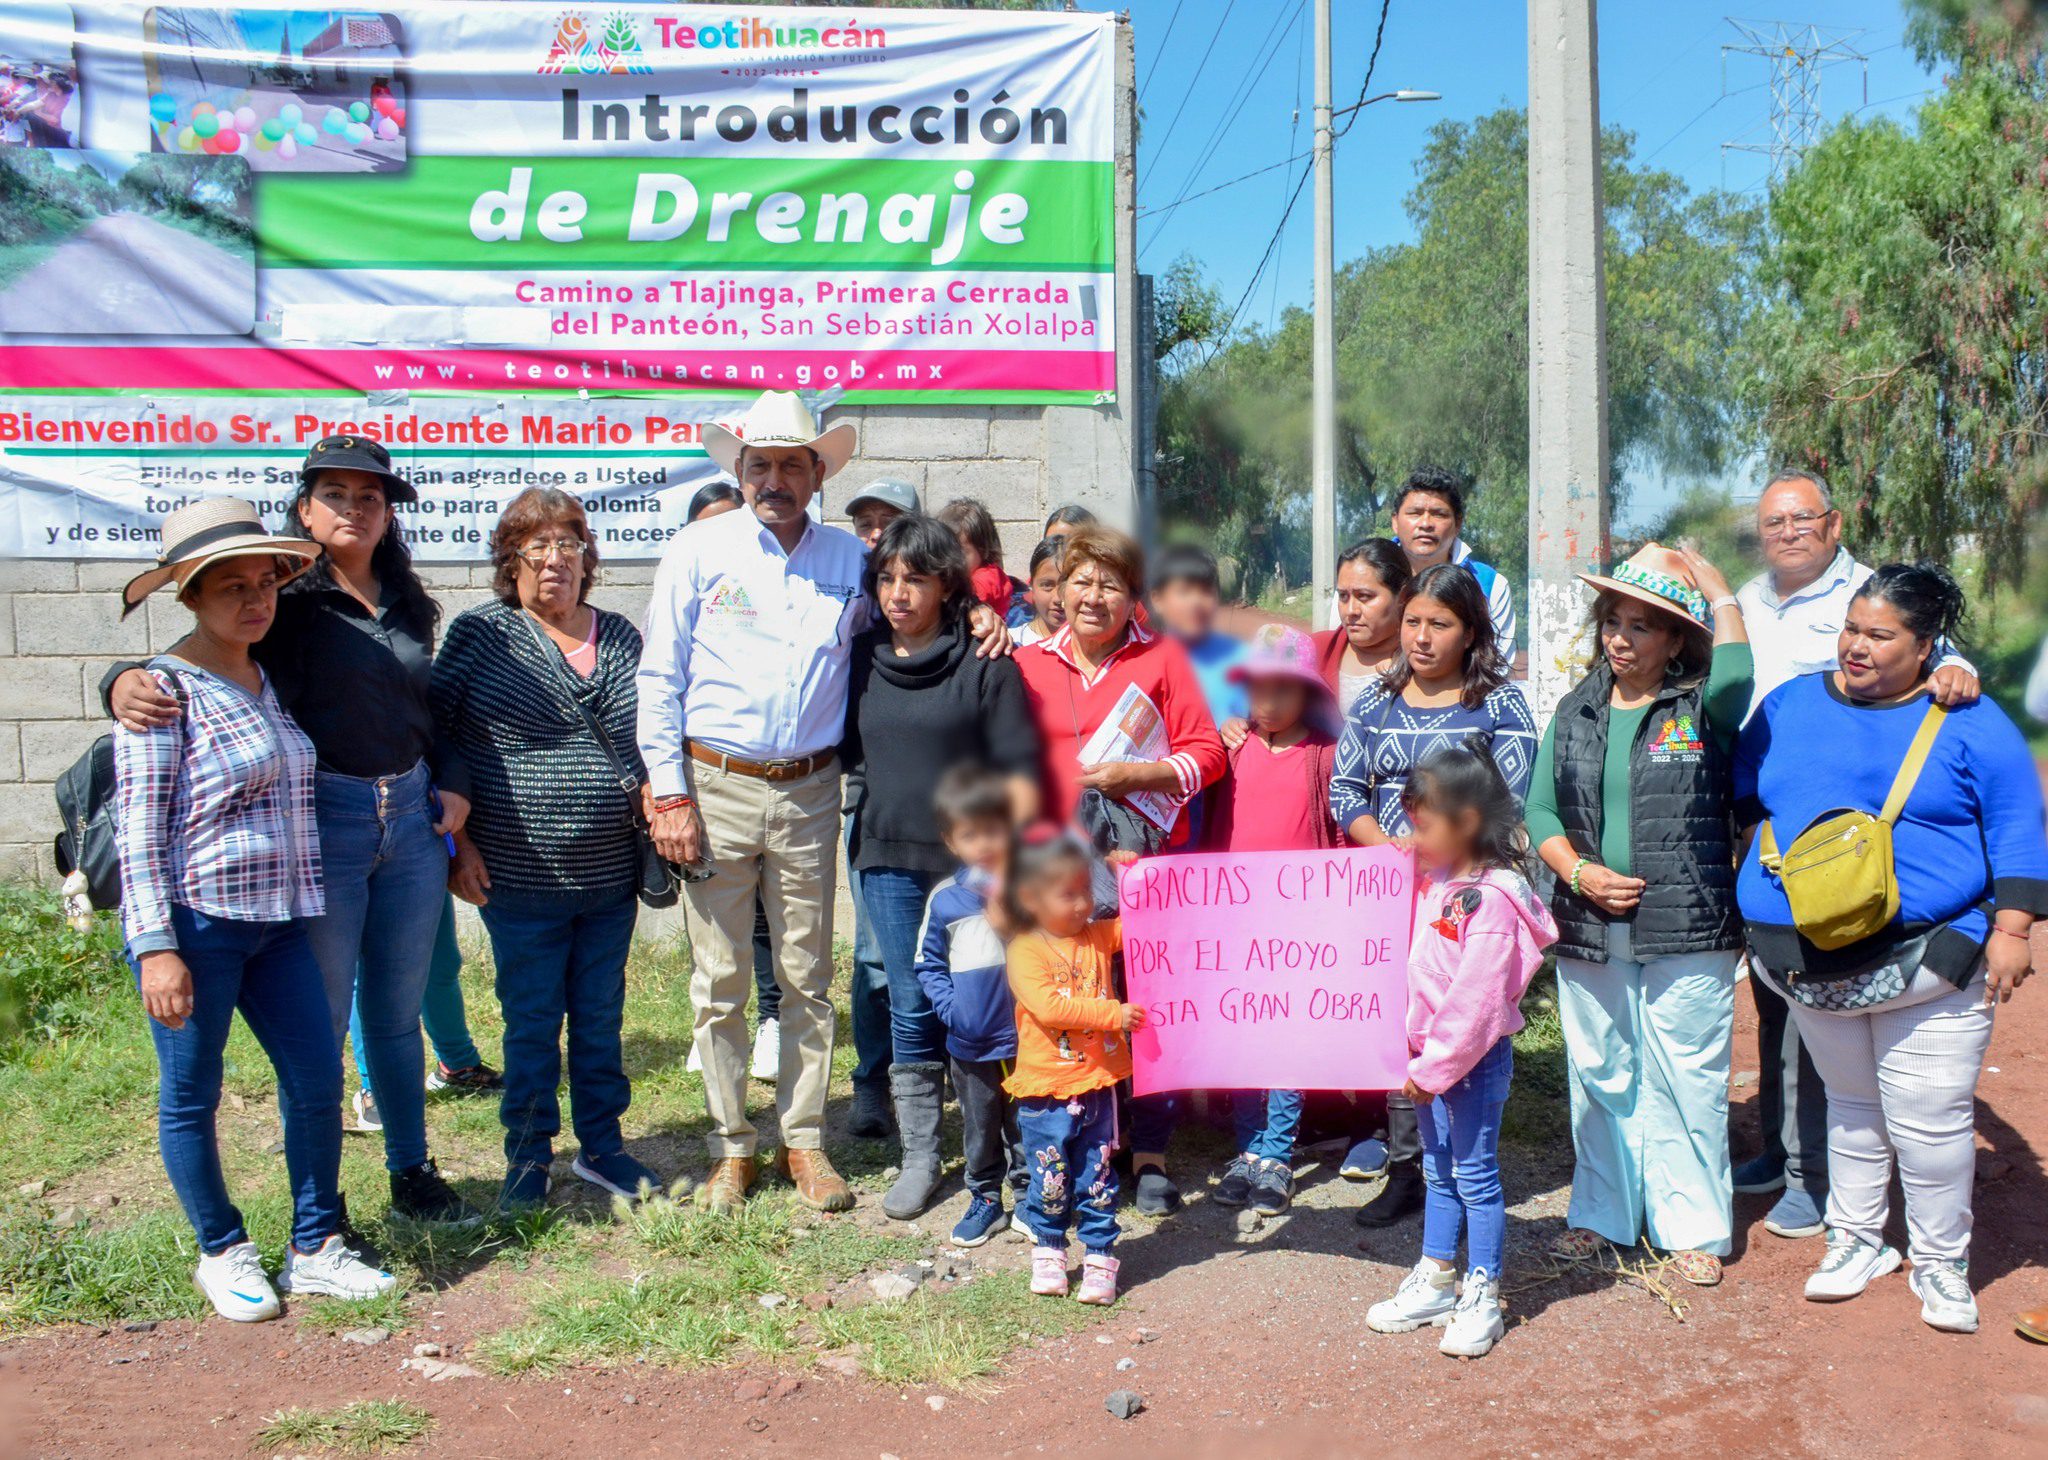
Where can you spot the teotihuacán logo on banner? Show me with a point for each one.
(613, 51)
(619, 47)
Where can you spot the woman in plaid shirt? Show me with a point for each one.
(220, 865)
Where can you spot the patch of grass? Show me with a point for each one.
(366, 1427)
(391, 1311)
(952, 1338)
(52, 1273)
(55, 981)
(1538, 1112)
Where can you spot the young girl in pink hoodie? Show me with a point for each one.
(1480, 932)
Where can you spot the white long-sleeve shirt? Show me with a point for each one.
(747, 647)
(1799, 633)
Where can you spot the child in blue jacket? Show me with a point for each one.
(961, 963)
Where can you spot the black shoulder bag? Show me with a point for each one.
(660, 884)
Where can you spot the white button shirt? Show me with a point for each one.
(747, 648)
(1800, 633)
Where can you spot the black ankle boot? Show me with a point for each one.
(1400, 1197)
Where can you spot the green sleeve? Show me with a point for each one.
(1539, 813)
(1730, 680)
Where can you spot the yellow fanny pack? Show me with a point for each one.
(1838, 874)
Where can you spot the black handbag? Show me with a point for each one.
(88, 844)
(660, 880)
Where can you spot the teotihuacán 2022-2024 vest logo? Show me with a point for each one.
(619, 47)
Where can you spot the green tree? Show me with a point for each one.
(1433, 356)
(1902, 350)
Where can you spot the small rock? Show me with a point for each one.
(771, 1301)
(368, 1337)
(72, 1216)
(757, 1424)
(1744, 1079)
(892, 1287)
(1104, 1338)
(142, 1325)
(275, 1148)
(32, 1189)
(750, 1390)
(889, 1173)
(1125, 1364)
(846, 1366)
(107, 1199)
(628, 1400)
(1123, 1404)
(817, 1302)
(426, 1351)
(935, 1402)
(438, 1370)
(782, 1388)
(1145, 1335)
(1992, 1167)
(236, 1102)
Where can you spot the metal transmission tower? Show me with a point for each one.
(1797, 55)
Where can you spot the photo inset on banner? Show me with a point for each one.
(122, 243)
(39, 105)
(290, 90)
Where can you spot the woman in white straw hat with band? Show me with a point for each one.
(220, 869)
(1631, 809)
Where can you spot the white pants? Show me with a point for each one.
(1902, 1081)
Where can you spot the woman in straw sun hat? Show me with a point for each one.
(220, 868)
(1630, 808)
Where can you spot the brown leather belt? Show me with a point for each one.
(776, 771)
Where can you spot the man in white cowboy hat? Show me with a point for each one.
(743, 684)
(1794, 610)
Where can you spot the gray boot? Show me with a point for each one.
(917, 1089)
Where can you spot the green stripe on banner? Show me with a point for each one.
(431, 215)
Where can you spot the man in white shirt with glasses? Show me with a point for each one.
(1794, 612)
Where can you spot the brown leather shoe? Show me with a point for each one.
(725, 1189)
(817, 1184)
(2033, 1324)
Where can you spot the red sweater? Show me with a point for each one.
(1067, 712)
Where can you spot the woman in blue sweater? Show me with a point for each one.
(1898, 1022)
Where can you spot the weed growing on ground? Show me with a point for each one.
(60, 1272)
(366, 1427)
(390, 1311)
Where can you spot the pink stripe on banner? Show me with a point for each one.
(253, 367)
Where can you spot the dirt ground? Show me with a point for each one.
(1243, 1342)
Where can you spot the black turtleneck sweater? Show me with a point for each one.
(909, 720)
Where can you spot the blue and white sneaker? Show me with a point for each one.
(235, 1283)
(618, 1174)
(984, 1218)
(333, 1270)
(1946, 1301)
(1365, 1161)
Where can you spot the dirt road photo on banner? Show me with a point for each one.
(124, 243)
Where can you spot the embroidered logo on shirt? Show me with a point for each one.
(729, 598)
(1676, 740)
(1458, 907)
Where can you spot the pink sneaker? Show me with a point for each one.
(1049, 1272)
(1098, 1279)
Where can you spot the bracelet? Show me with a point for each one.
(1726, 600)
(2023, 937)
(1577, 867)
(673, 803)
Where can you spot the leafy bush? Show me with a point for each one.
(53, 981)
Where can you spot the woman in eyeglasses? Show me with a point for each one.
(550, 853)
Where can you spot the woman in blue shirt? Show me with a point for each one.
(1449, 681)
(1898, 1022)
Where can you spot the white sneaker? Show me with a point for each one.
(1946, 1301)
(767, 1051)
(367, 1118)
(1426, 1298)
(1850, 1266)
(234, 1282)
(1476, 1324)
(695, 1063)
(333, 1270)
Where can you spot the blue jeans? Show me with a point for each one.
(267, 971)
(386, 878)
(869, 995)
(1267, 1122)
(1068, 1145)
(1154, 1118)
(1461, 1164)
(556, 962)
(767, 992)
(441, 1008)
(895, 899)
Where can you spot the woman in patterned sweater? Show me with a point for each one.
(550, 853)
(1450, 680)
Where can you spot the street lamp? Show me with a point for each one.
(1323, 437)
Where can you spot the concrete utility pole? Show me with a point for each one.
(1567, 340)
(1323, 446)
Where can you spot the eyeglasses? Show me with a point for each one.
(536, 553)
(1799, 524)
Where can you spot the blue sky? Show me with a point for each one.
(1661, 77)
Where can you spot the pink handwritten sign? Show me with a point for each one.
(1269, 970)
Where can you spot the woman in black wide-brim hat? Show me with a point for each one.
(350, 656)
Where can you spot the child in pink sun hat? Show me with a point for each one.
(1276, 798)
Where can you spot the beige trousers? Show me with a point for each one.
(784, 840)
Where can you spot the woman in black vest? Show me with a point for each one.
(1631, 809)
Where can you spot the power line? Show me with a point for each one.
(1199, 65)
(1156, 67)
(1228, 114)
(1797, 54)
